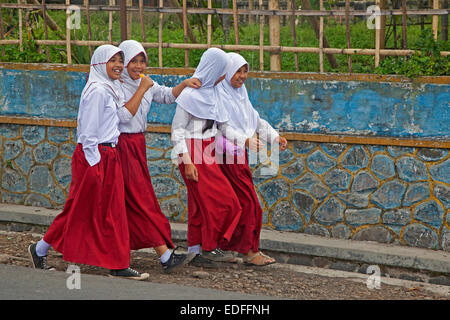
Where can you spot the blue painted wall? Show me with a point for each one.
(388, 194)
(334, 107)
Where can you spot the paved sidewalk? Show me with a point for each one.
(368, 252)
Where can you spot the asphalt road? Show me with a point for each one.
(20, 283)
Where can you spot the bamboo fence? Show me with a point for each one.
(273, 12)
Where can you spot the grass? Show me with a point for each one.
(361, 37)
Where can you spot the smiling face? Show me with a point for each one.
(136, 66)
(239, 77)
(114, 67)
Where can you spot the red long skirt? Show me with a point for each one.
(92, 228)
(213, 207)
(247, 233)
(148, 225)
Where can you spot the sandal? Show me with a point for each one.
(265, 261)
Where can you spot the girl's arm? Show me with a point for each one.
(178, 137)
(167, 95)
(133, 104)
(191, 82)
(178, 131)
(269, 134)
(90, 115)
(240, 140)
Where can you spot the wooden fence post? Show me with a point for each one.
(444, 22)
(292, 5)
(274, 33)
(209, 25)
(141, 18)
(44, 15)
(321, 39)
(160, 59)
(123, 20)
(378, 40)
(235, 23)
(110, 23)
(1, 28)
(129, 19)
(261, 38)
(20, 28)
(347, 33)
(251, 19)
(404, 33)
(68, 45)
(185, 27)
(86, 3)
(435, 19)
(383, 5)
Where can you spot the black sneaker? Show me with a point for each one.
(38, 262)
(177, 260)
(200, 261)
(128, 273)
(219, 255)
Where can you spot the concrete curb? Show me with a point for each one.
(286, 243)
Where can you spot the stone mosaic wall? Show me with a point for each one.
(386, 194)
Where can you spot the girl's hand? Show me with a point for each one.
(193, 83)
(191, 172)
(282, 142)
(254, 144)
(146, 82)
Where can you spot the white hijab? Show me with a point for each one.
(132, 49)
(98, 75)
(241, 114)
(204, 102)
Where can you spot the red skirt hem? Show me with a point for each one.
(148, 225)
(246, 236)
(213, 207)
(92, 228)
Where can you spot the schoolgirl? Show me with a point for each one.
(148, 226)
(213, 207)
(244, 119)
(92, 229)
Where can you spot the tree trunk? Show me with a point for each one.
(306, 5)
(174, 3)
(50, 22)
(444, 22)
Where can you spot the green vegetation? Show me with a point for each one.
(428, 63)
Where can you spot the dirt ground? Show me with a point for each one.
(275, 282)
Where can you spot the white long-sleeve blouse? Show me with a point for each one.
(138, 122)
(98, 122)
(186, 126)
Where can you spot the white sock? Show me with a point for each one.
(166, 256)
(195, 249)
(42, 248)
